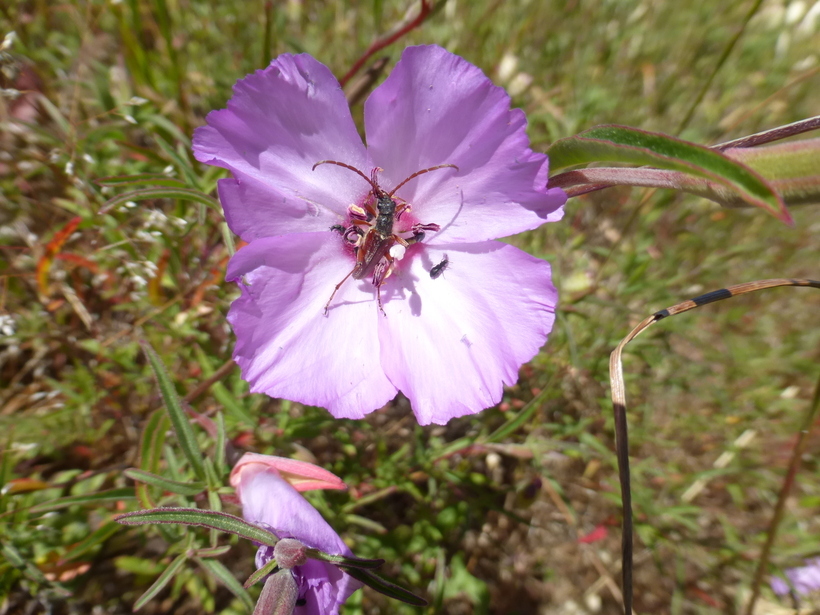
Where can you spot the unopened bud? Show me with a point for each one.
(279, 595)
(289, 553)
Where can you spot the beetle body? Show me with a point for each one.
(373, 251)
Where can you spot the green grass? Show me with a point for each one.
(473, 529)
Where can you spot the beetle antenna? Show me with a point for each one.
(422, 172)
(347, 166)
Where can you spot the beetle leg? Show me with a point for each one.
(338, 286)
(381, 272)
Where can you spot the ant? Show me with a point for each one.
(439, 269)
(373, 251)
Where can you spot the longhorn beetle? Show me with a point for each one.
(374, 248)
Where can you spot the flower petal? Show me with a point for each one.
(437, 108)
(456, 339)
(301, 475)
(279, 123)
(286, 346)
(269, 499)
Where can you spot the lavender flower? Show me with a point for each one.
(804, 579)
(448, 342)
(269, 499)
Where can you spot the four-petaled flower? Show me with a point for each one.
(268, 489)
(448, 339)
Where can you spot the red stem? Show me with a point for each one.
(424, 12)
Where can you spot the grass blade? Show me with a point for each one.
(182, 427)
(162, 192)
(111, 495)
(161, 582)
(383, 586)
(200, 518)
(166, 484)
(218, 571)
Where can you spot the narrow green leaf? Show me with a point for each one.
(212, 480)
(341, 560)
(153, 439)
(200, 518)
(153, 179)
(612, 143)
(261, 573)
(151, 444)
(213, 551)
(184, 194)
(220, 465)
(97, 537)
(227, 237)
(173, 486)
(110, 495)
(383, 586)
(792, 168)
(182, 427)
(182, 164)
(13, 557)
(161, 582)
(233, 407)
(218, 571)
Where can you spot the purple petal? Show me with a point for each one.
(779, 586)
(280, 122)
(269, 499)
(455, 340)
(437, 108)
(286, 346)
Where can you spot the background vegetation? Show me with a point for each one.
(515, 510)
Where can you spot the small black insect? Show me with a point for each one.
(338, 228)
(439, 269)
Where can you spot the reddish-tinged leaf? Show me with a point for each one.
(24, 485)
(78, 260)
(52, 248)
(599, 533)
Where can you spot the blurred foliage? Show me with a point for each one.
(478, 523)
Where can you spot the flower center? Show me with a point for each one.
(376, 231)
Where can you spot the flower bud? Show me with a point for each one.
(289, 552)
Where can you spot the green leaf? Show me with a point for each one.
(217, 570)
(200, 518)
(612, 143)
(792, 168)
(182, 164)
(220, 464)
(383, 586)
(161, 582)
(110, 495)
(261, 573)
(162, 192)
(154, 179)
(151, 444)
(166, 484)
(213, 551)
(341, 560)
(182, 427)
(97, 537)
